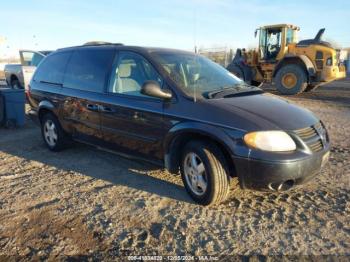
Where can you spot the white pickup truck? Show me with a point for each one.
(19, 75)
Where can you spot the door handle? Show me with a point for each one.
(106, 109)
(92, 107)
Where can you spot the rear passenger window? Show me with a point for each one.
(51, 70)
(88, 69)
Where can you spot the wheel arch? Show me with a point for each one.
(45, 107)
(183, 133)
(302, 60)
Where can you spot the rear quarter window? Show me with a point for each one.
(88, 69)
(51, 70)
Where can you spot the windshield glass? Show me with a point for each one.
(195, 74)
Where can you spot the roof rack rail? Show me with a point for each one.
(94, 43)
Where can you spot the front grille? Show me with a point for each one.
(317, 146)
(319, 59)
(319, 64)
(315, 137)
(319, 55)
(306, 133)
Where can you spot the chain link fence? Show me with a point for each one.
(220, 55)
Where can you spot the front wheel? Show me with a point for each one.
(204, 173)
(291, 80)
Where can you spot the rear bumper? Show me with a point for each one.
(279, 176)
(331, 73)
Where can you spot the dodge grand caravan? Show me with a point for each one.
(180, 110)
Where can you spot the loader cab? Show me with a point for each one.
(273, 41)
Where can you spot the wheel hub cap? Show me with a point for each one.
(195, 174)
(50, 133)
(289, 80)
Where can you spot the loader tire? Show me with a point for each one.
(291, 80)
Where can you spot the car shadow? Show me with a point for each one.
(26, 143)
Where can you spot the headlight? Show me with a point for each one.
(329, 61)
(275, 141)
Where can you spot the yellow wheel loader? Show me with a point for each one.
(294, 67)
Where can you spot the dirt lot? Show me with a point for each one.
(83, 202)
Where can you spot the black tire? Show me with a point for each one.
(15, 84)
(300, 83)
(216, 172)
(62, 138)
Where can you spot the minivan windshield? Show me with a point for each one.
(197, 75)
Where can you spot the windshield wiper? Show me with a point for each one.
(212, 94)
(229, 90)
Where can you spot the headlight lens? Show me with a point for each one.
(329, 61)
(274, 141)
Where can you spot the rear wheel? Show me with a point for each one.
(204, 173)
(54, 136)
(291, 80)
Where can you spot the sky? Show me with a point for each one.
(182, 24)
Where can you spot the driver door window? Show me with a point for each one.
(262, 44)
(131, 71)
(273, 43)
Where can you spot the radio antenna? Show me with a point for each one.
(195, 47)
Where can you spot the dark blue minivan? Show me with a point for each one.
(180, 110)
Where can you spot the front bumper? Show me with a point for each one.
(279, 175)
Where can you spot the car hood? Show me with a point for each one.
(262, 112)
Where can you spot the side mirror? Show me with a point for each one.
(256, 33)
(152, 88)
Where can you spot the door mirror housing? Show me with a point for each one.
(152, 88)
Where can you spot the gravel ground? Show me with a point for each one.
(86, 203)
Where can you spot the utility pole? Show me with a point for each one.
(2, 44)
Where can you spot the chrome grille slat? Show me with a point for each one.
(316, 146)
(311, 137)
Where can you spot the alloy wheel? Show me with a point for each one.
(50, 133)
(195, 174)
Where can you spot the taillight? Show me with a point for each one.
(27, 92)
